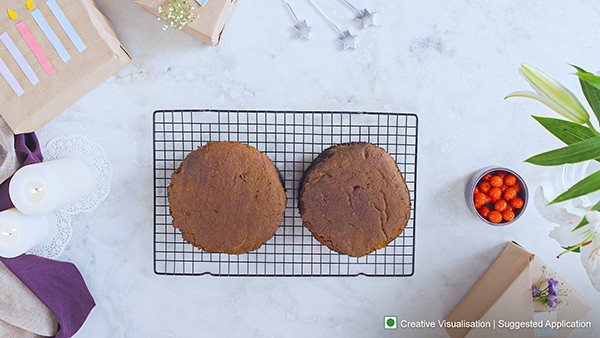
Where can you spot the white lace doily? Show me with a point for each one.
(95, 156)
(60, 235)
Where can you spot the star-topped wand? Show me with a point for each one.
(348, 40)
(366, 18)
(303, 30)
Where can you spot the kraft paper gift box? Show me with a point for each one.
(8, 155)
(66, 68)
(212, 19)
(504, 293)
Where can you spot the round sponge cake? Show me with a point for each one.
(354, 199)
(227, 197)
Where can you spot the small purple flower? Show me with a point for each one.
(535, 291)
(552, 289)
(550, 294)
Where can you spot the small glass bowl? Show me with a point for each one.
(475, 180)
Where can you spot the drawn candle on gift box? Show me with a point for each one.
(16, 53)
(34, 46)
(20, 233)
(10, 78)
(40, 188)
(31, 41)
(41, 21)
(66, 25)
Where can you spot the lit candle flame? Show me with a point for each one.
(12, 14)
(30, 5)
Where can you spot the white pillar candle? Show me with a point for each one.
(41, 188)
(20, 233)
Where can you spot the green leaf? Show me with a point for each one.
(581, 224)
(584, 220)
(577, 152)
(590, 78)
(590, 85)
(586, 186)
(566, 131)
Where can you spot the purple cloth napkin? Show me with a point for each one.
(59, 285)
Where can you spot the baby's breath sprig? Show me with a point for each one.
(176, 14)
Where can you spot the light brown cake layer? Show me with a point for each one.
(227, 197)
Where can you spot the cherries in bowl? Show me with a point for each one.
(497, 195)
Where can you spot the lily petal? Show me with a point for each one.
(590, 258)
(577, 207)
(554, 213)
(549, 103)
(593, 218)
(545, 85)
(565, 236)
(553, 90)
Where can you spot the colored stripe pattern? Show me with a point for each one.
(54, 40)
(35, 47)
(10, 78)
(66, 25)
(16, 54)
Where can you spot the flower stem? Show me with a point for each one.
(592, 128)
(569, 249)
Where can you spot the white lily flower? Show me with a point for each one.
(563, 213)
(565, 236)
(552, 93)
(587, 238)
(590, 258)
(590, 251)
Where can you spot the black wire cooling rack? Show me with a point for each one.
(292, 140)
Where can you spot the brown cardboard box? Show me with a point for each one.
(211, 22)
(503, 293)
(70, 80)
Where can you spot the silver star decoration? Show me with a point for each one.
(303, 30)
(367, 18)
(348, 40)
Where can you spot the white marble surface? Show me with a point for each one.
(452, 62)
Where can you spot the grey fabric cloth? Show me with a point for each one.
(8, 156)
(7, 330)
(22, 314)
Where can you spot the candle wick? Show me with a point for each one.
(36, 190)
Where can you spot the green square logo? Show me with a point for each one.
(390, 322)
